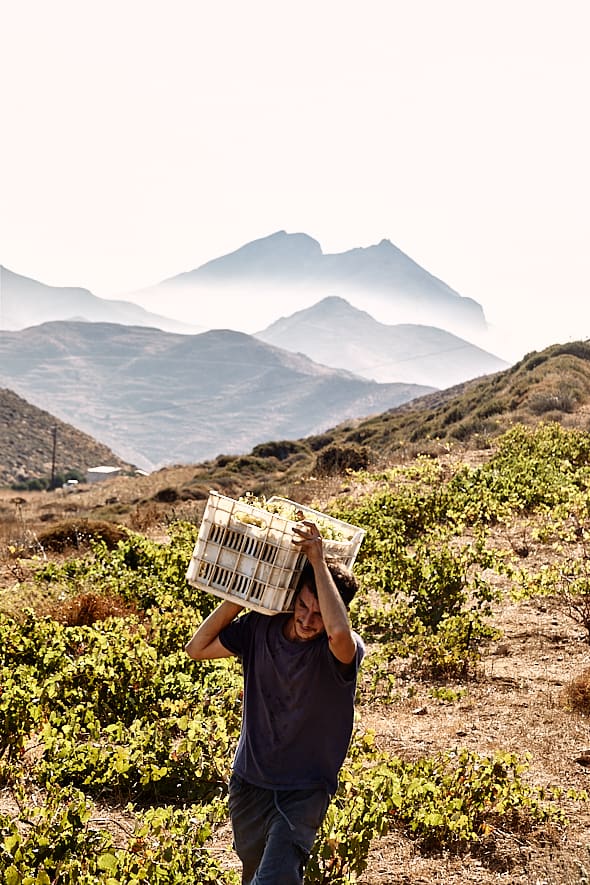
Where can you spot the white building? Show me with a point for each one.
(97, 474)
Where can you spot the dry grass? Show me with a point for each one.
(577, 693)
(88, 608)
(79, 534)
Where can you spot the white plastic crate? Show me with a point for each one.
(245, 553)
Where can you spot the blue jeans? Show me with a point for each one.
(274, 830)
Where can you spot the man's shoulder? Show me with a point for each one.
(256, 622)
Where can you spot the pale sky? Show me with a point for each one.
(140, 139)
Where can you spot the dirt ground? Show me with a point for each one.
(516, 703)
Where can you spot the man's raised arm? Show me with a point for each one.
(332, 608)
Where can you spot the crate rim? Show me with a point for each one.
(358, 530)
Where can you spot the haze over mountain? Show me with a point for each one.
(159, 398)
(247, 289)
(25, 302)
(336, 334)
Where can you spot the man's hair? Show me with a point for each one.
(346, 582)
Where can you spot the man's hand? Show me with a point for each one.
(309, 540)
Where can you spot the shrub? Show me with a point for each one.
(537, 359)
(470, 427)
(87, 608)
(573, 594)
(166, 495)
(577, 693)
(41, 483)
(320, 441)
(580, 349)
(279, 450)
(336, 459)
(248, 465)
(197, 493)
(543, 403)
(81, 533)
(224, 460)
(455, 413)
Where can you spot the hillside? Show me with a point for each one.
(334, 333)
(27, 436)
(552, 385)
(158, 398)
(549, 386)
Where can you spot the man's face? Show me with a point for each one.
(307, 618)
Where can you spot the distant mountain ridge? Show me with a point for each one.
(251, 287)
(284, 269)
(336, 334)
(161, 398)
(26, 302)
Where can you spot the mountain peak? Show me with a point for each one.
(279, 252)
(334, 333)
(282, 236)
(334, 306)
(292, 267)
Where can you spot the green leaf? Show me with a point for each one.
(11, 841)
(107, 861)
(12, 876)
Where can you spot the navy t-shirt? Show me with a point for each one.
(298, 706)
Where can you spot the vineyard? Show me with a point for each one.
(115, 747)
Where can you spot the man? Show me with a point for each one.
(300, 672)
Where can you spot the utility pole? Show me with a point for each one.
(52, 484)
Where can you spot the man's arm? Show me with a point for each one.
(334, 613)
(205, 644)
